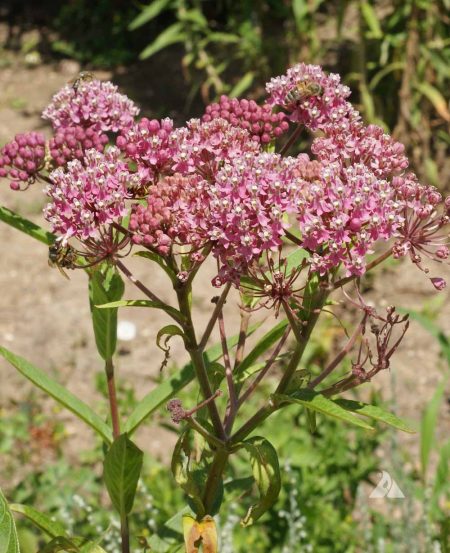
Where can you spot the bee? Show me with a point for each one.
(302, 91)
(83, 77)
(62, 257)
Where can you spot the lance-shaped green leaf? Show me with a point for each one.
(9, 542)
(266, 472)
(59, 393)
(374, 412)
(121, 470)
(60, 543)
(428, 427)
(173, 384)
(105, 286)
(143, 303)
(187, 472)
(148, 13)
(318, 402)
(26, 226)
(159, 260)
(51, 527)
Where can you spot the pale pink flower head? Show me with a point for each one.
(425, 229)
(343, 213)
(260, 122)
(88, 195)
(22, 159)
(310, 96)
(248, 204)
(351, 142)
(93, 103)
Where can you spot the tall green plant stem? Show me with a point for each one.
(115, 421)
(196, 354)
(270, 407)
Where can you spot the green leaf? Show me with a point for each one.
(428, 427)
(41, 521)
(188, 475)
(60, 543)
(172, 385)
(142, 303)
(442, 480)
(371, 19)
(121, 471)
(59, 393)
(159, 260)
(26, 226)
(321, 404)
(374, 412)
(263, 345)
(242, 85)
(9, 542)
(168, 331)
(148, 13)
(105, 287)
(266, 472)
(436, 98)
(170, 35)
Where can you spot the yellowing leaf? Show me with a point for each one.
(196, 533)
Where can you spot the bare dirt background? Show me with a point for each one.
(45, 318)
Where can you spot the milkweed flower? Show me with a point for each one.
(94, 104)
(259, 121)
(152, 144)
(88, 195)
(205, 146)
(310, 96)
(72, 142)
(22, 159)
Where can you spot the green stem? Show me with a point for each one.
(198, 361)
(214, 479)
(125, 534)
(270, 407)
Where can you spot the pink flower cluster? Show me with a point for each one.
(152, 144)
(72, 142)
(261, 123)
(92, 103)
(248, 203)
(310, 96)
(204, 147)
(352, 142)
(174, 213)
(88, 195)
(22, 158)
(344, 213)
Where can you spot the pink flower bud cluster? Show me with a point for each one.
(88, 194)
(261, 123)
(22, 158)
(91, 104)
(344, 213)
(310, 96)
(352, 142)
(72, 142)
(152, 144)
(174, 213)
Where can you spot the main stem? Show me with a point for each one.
(269, 408)
(115, 420)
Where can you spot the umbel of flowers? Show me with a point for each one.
(224, 186)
